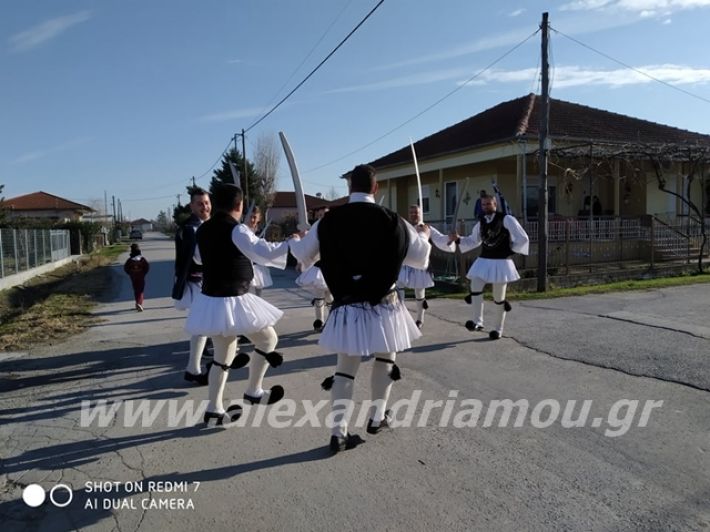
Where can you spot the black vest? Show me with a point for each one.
(495, 238)
(362, 240)
(226, 271)
(185, 242)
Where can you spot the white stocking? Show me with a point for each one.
(197, 346)
(264, 340)
(499, 299)
(477, 285)
(381, 385)
(420, 295)
(342, 392)
(225, 349)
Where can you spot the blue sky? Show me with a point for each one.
(135, 97)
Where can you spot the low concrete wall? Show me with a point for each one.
(22, 277)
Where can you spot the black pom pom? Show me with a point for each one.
(507, 306)
(274, 358)
(327, 383)
(425, 305)
(313, 302)
(395, 374)
(467, 299)
(241, 360)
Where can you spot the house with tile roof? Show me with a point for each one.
(284, 205)
(500, 145)
(45, 206)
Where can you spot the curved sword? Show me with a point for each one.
(419, 179)
(236, 176)
(303, 224)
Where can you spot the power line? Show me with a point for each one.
(216, 162)
(632, 68)
(437, 102)
(316, 68)
(308, 55)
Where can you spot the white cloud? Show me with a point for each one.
(517, 12)
(485, 43)
(562, 77)
(644, 8)
(420, 78)
(234, 61)
(574, 76)
(40, 154)
(233, 115)
(45, 31)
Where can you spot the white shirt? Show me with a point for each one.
(519, 241)
(256, 249)
(307, 249)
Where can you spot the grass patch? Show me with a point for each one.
(617, 286)
(56, 305)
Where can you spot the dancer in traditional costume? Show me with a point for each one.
(420, 279)
(500, 236)
(311, 279)
(225, 309)
(188, 277)
(262, 275)
(362, 247)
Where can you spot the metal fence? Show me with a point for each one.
(24, 249)
(597, 243)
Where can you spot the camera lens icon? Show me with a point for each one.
(34, 495)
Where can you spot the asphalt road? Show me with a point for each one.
(640, 460)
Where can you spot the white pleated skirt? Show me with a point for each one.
(363, 330)
(312, 280)
(493, 270)
(230, 316)
(188, 296)
(413, 278)
(262, 277)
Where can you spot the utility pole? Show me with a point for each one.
(113, 204)
(105, 204)
(178, 198)
(246, 172)
(542, 215)
(193, 182)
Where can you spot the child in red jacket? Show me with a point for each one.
(137, 268)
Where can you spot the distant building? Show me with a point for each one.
(43, 205)
(284, 205)
(142, 224)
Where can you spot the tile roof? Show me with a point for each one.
(288, 200)
(518, 118)
(43, 201)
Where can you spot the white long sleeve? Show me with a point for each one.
(472, 241)
(519, 241)
(441, 241)
(418, 251)
(306, 249)
(259, 250)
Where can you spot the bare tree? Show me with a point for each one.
(266, 162)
